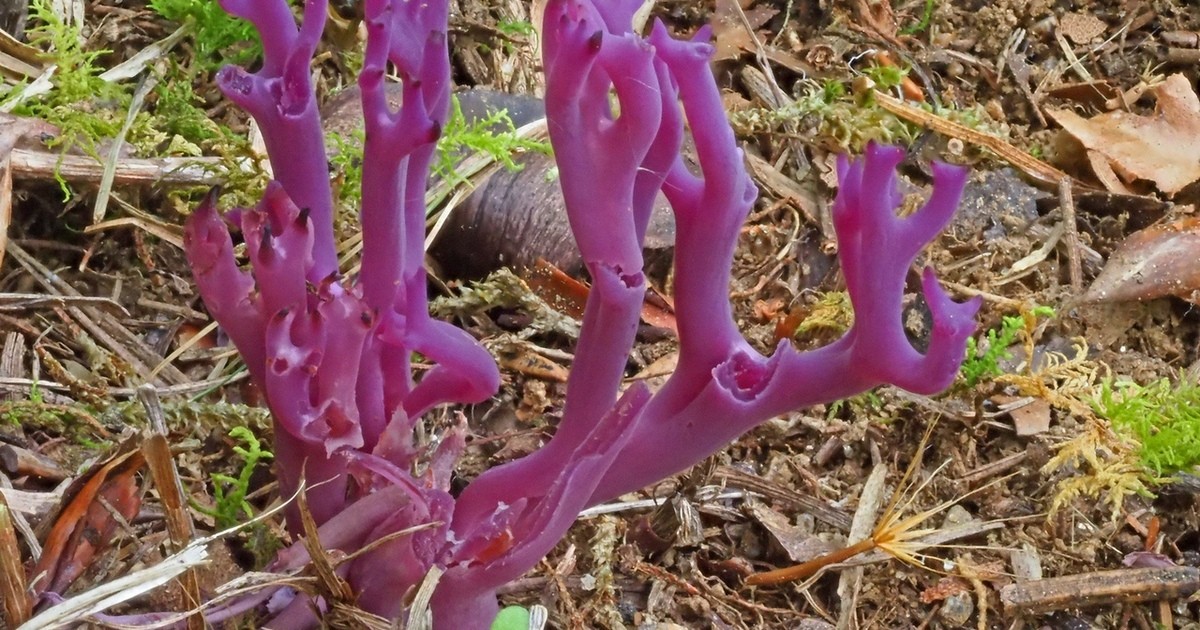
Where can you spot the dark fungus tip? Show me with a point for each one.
(266, 236)
(282, 313)
(211, 197)
(595, 41)
(367, 317)
(302, 218)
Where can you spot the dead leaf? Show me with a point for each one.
(1031, 419)
(767, 310)
(659, 310)
(569, 296)
(1087, 93)
(530, 363)
(799, 544)
(564, 293)
(16, 603)
(729, 31)
(1146, 147)
(662, 366)
(1155, 262)
(85, 526)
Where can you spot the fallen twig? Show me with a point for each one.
(1100, 588)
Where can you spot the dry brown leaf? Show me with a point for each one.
(84, 525)
(530, 363)
(730, 35)
(800, 544)
(569, 296)
(1031, 419)
(1146, 147)
(1155, 262)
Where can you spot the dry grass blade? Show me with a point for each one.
(831, 516)
(419, 617)
(850, 581)
(183, 347)
(170, 491)
(114, 154)
(330, 583)
(168, 233)
(143, 58)
(22, 301)
(13, 589)
(6, 197)
(74, 612)
(18, 59)
(71, 613)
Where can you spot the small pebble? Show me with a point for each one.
(956, 609)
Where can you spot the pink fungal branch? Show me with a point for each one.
(333, 354)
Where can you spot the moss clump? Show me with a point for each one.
(983, 357)
(1163, 417)
(220, 38)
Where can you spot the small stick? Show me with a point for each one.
(1100, 588)
(170, 491)
(12, 361)
(1028, 164)
(168, 171)
(1067, 203)
(1182, 56)
(21, 462)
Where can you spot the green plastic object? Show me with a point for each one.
(512, 618)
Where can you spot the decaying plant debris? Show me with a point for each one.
(1030, 95)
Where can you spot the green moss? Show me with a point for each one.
(922, 24)
(230, 492)
(219, 37)
(494, 136)
(831, 314)
(83, 106)
(983, 357)
(1163, 417)
(90, 111)
(178, 111)
(829, 114)
(347, 161)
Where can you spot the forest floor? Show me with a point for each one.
(1065, 449)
